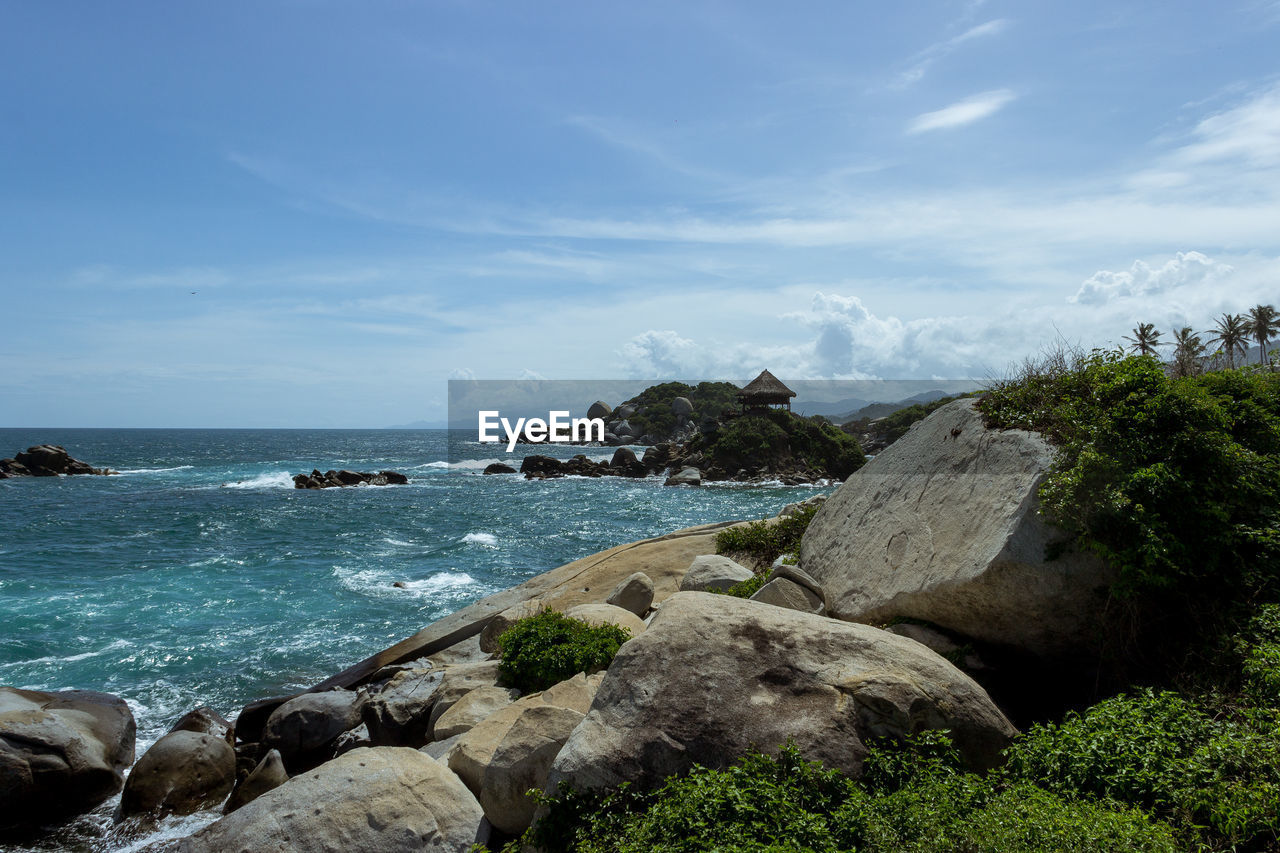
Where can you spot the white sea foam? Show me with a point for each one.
(274, 480)
(48, 659)
(399, 542)
(153, 470)
(486, 539)
(440, 582)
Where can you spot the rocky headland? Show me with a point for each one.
(423, 743)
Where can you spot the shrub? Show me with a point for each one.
(543, 650)
(778, 439)
(766, 540)
(744, 589)
(789, 804)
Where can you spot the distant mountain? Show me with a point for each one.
(831, 410)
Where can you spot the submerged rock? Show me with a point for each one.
(337, 479)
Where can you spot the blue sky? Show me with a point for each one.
(313, 214)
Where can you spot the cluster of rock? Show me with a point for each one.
(332, 479)
(46, 460)
(423, 746)
(624, 463)
(619, 430)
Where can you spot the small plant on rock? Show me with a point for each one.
(548, 648)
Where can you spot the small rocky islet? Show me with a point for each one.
(46, 460)
(424, 745)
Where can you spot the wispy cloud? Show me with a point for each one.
(961, 113)
(925, 59)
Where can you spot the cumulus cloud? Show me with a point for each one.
(1142, 279)
(961, 113)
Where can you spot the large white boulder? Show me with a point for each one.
(715, 676)
(943, 527)
(384, 798)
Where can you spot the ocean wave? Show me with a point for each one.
(54, 659)
(153, 470)
(399, 542)
(274, 480)
(486, 539)
(440, 582)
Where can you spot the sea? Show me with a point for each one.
(200, 576)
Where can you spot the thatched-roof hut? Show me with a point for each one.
(765, 391)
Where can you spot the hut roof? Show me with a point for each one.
(766, 385)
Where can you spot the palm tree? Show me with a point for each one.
(1189, 349)
(1232, 336)
(1264, 324)
(1145, 339)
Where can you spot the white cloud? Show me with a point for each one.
(923, 60)
(961, 113)
(1141, 279)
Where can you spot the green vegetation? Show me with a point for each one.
(911, 797)
(885, 431)
(545, 649)
(764, 541)
(746, 588)
(653, 404)
(1174, 481)
(779, 440)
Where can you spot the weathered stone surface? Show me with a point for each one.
(520, 762)
(459, 681)
(600, 409)
(715, 676)
(797, 575)
(400, 713)
(681, 406)
(781, 592)
(305, 727)
(607, 614)
(205, 720)
(383, 799)
(472, 708)
(943, 527)
(181, 773)
(712, 571)
(634, 593)
(499, 624)
(268, 775)
(61, 753)
(499, 468)
(685, 477)
(939, 642)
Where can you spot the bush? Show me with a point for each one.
(778, 439)
(767, 540)
(545, 649)
(789, 804)
(744, 589)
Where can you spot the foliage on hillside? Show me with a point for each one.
(543, 650)
(653, 405)
(882, 432)
(766, 540)
(778, 440)
(1174, 481)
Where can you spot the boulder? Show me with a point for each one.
(508, 753)
(46, 460)
(797, 575)
(712, 571)
(930, 637)
(268, 775)
(715, 676)
(600, 409)
(499, 468)
(520, 762)
(206, 720)
(353, 739)
(781, 592)
(339, 479)
(633, 593)
(681, 406)
(626, 410)
(943, 527)
(607, 614)
(472, 708)
(385, 799)
(61, 754)
(623, 457)
(400, 713)
(686, 477)
(498, 625)
(460, 680)
(624, 429)
(181, 773)
(305, 727)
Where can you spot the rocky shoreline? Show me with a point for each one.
(423, 745)
(47, 460)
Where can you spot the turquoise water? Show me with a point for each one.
(201, 576)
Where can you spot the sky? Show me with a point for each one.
(297, 213)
